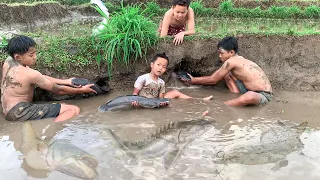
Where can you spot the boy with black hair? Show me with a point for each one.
(241, 75)
(152, 86)
(18, 81)
(175, 21)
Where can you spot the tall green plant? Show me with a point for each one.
(3, 41)
(127, 36)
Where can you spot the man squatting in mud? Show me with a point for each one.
(175, 21)
(18, 82)
(241, 76)
(151, 85)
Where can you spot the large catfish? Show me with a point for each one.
(59, 155)
(167, 141)
(126, 101)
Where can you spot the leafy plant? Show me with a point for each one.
(198, 7)
(3, 41)
(126, 36)
(152, 8)
(312, 11)
(226, 6)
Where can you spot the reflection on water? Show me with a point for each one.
(234, 128)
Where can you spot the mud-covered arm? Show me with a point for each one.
(135, 91)
(44, 83)
(215, 77)
(59, 81)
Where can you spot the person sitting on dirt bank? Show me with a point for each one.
(241, 75)
(175, 21)
(18, 81)
(150, 85)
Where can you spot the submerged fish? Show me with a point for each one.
(59, 155)
(275, 144)
(167, 141)
(126, 101)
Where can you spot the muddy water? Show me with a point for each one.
(234, 127)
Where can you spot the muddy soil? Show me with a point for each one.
(291, 63)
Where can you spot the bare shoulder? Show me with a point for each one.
(33, 75)
(190, 10)
(168, 14)
(229, 64)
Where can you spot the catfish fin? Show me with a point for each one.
(169, 158)
(122, 145)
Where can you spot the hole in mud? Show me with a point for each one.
(187, 65)
(197, 67)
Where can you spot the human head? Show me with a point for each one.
(159, 64)
(22, 48)
(227, 47)
(180, 8)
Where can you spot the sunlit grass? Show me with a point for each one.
(221, 27)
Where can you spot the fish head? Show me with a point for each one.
(103, 108)
(190, 130)
(70, 159)
(82, 167)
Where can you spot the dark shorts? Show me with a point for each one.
(172, 30)
(28, 111)
(265, 95)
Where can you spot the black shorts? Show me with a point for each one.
(28, 111)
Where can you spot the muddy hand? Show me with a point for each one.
(178, 38)
(135, 104)
(87, 89)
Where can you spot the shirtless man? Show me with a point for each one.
(18, 81)
(241, 75)
(175, 20)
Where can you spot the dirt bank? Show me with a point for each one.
(31, 15)
(291, 63)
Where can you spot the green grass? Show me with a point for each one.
(69, 46)
(127, 36)
(227, 9)
(226, 26)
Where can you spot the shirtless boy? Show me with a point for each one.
(241, 75)
(175, 21)
(152, 86)
(18, 81)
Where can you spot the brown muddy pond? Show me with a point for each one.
(234, 128)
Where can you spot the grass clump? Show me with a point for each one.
(127, 35)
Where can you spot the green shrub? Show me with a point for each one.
(226, 7)
(312, 11)
(127, 36)
(152, 8)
